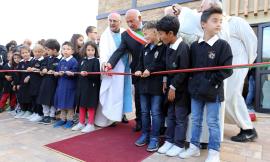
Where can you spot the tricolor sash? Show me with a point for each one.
(139, 38)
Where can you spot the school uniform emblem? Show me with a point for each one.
(211, 55)
(156, 54)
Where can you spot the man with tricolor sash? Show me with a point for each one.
(132, 42)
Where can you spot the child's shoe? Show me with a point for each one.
(165, 147)
(153, 145)
(213, 156)
(174, 151)
(31, 116)
(68, 124)
(26, 115)
(88, 128)
(36, 118)
(191, 151)
(77, 127)
(143, 140)
(59, 123)
(19, 115)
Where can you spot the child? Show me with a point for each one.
(8, 93)
(35, 82)
(88, 87)
(177, 99)
(65, 92)
(206, 88)
(22, 84)
(77, 42)
(49, 81)
(151, 59)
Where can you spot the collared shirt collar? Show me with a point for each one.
(211, 41)
(176, 43)
(59, 56)
(91, 57)
(41, 58)
(67, 59)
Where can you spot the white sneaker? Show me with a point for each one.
(174, 151)
(36, 118)
(14, 112)
(213, 156)
(26, 115)
(31, 116)
(88, 128)
(165, 147)
(191, 151)
(77, 127)
(19, 115)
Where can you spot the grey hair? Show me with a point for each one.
(138, 13)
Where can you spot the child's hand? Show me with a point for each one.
(8, 78)
(55, 73)
(171, 95)
(138, 73)
(14, 88)
(44, 71)
(26, 79)
(83, 73)
(50, 72)
(61, 73)
(146, 73)
(29, 69)
(70, 73)
(164, 87)
(18, 87)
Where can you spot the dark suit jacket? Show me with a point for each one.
(128, 45)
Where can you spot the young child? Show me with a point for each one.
(22, 83)
(8, 93)
(206, 88)
(88, 87)
(151, 59)
(49, 81)
(66, 86)
(35, 82)
(77, 42)
(177, 99)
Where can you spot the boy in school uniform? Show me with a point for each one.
(151, 92)
(206, 88)
(177, 57)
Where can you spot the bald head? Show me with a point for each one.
(114, 20)
(206, 4)
(133, 19)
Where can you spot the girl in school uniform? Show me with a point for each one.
(88, 87)
(22, 83)
(64, 98)
(8, 93)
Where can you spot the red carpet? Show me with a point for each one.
(112, 144)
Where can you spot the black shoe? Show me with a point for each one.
(114, 124)
(137, 128)
(204, 146)
(46, 120)
(124, 119)
(245, 136)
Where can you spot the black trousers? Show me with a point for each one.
(138, 118)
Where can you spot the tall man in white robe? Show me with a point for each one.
(243, 42)
(114, 97)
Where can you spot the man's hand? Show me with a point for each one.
(84, 73)
(107, 67)
(70, 73)
(138, 73)
(171, 95)
(146, 73)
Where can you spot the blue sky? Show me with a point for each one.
(37, 19)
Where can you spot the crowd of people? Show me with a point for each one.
(66, 79)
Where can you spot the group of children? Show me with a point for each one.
(184, 92)
(50, 82)
(62, 82)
